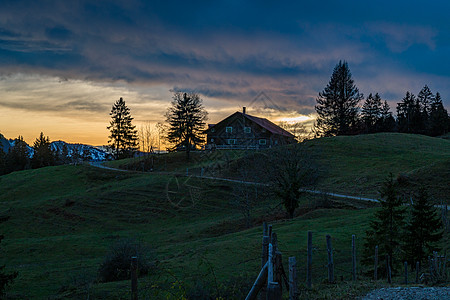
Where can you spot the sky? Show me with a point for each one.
(64, 63)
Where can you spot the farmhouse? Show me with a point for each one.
(243, 131)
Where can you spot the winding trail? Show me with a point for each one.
(342, 196)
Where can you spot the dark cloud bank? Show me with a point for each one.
(230, 50)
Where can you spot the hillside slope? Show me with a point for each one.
(350, 165)
(357, 165)
(59, 223)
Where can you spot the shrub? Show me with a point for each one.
(116, 265)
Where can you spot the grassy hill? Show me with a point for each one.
(357, 165)
(59, 222)
(351, 165)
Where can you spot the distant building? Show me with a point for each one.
(243, 131)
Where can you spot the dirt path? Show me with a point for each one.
(342, 196)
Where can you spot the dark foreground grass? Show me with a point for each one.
(59, 223)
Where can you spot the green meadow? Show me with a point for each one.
(59, 222)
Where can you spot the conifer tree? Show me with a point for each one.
(423, 231)
(386, 122)
(123, 139)
(387, 227)
(439, 118)
(186, 117)
(408, 112)
(43, 155)
(425, 98)
(2, 162)
(337, 104)
(371, 113)
(18, 157)
(64, 154)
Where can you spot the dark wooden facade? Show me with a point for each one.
(243, 131)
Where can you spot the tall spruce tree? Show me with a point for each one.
(425, 98)
(387, 227)
(371, 113)
(387, 121)
(186, 117)
(408, 113)
(123, 139)
(43, 155)
(337, 104)
(423, 230)
(439, 118)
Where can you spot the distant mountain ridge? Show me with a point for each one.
(94, 153)
(80, 150)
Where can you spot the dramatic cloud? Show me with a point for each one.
(227, 51)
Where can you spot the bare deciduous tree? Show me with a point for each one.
(292, 170)
(147, 138)
(245, 195)
(162, 130)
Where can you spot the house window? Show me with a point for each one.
(231, 141)
(262, 141)
(229, 129)
(247, 129)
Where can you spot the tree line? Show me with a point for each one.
(22, 157)
(339, 112)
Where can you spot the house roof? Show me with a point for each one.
(264, 123)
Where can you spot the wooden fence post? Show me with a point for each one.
(375, 270)
(330, 259)
(353, 258)
(431, 266)
(134, 282)
(264, 258)
(270, 265)
(292, 278)
(417, 271)
(273, 288)
(279, 269)
(388, 269)
(274, 241)
(265, 250)
(270, 234)
(273, 291)
(406, 272)
(435, 263)
(309, 262)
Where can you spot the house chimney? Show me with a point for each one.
(243, 110)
